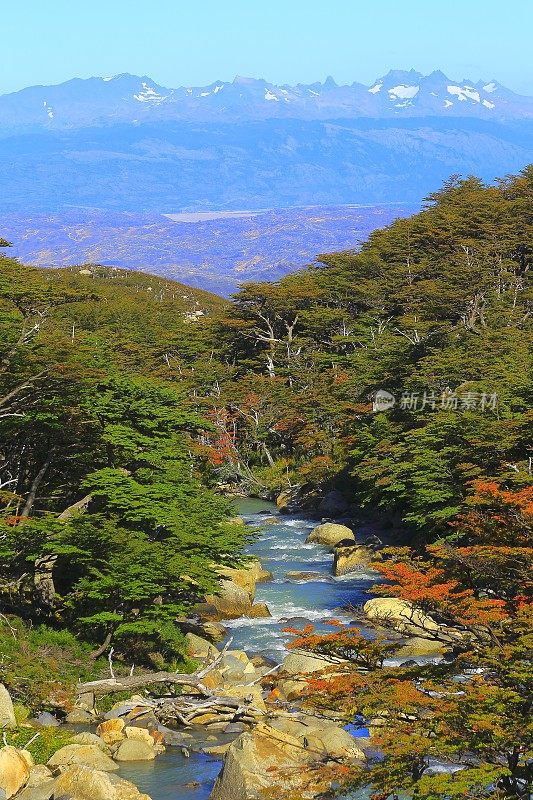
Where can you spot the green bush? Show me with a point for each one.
(43, 746)
(41, 666)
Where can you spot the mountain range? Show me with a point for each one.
(132, 99)
(103, 169)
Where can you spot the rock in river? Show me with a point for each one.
(330, 534)
(351, 558)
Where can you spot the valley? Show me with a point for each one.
(209, 250)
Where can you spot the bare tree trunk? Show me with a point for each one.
(30, 500)
(103, 647)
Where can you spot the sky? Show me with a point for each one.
(283, 41)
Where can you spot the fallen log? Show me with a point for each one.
(127, 683)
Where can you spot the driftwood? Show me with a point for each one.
(184, 708)
(127, 683)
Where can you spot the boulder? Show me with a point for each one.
(259, 761)
(400, 615)
(135, 750)
(84, 783)
(200, 648)
(304, 576)
(78, 716)
(15, 766)
(260, 574)
(214, 631)
(172, 737)
(300, 662)
(351, 559)
(333, 504)
(334, 742)
(88, 755)
(39, 774)
(111, 730)
(231, 667)
(259, 611)
(416, 646)
(237, 592)
(40, 785)
(293, 689)
(139, 735)
(234, 601)
(7, 713)
(45, 791)
(85, 737)
(330, 534)
(46, 720)
(217, 750)
(251, 695)
(234, 727)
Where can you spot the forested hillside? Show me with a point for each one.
(399, 375)
(435, 309)
(106, 529)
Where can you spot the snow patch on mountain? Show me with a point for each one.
(464, 93)
(403, 92)
(490, 87)
(488, 104)
(149, 95)
(376, 88)
(270, 95)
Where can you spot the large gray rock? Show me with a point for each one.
(330, 534)
(85, 737)
(351, 559)
(84, 783)
(135, 750)
(46, 720)
(417, 646)
(300, 662)
(15, 766)
(400, 615)
(335, 742)
(78, 716)
(263, 759)
(7, 714)
(88, 755)
(44, 791)
(199, 648)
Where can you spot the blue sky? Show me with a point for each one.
(176, 43)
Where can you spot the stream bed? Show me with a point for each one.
(281, 548)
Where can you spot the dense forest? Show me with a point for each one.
(131, 407)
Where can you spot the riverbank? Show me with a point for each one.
(282, 549)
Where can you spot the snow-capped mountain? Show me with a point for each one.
(132, 99)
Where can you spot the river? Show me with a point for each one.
(281, 548)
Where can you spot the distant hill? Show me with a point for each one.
(166, 167)
(212, 251)
(139, 286)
